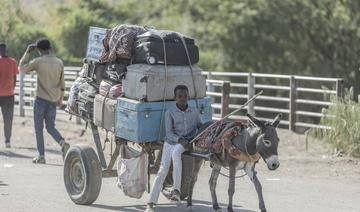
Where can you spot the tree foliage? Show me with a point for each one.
(304, 37)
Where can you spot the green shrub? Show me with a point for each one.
(344, 119)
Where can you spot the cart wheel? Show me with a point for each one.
(82, 174)
(186, 176)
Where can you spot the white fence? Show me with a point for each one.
(300, 98)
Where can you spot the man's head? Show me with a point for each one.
(2, 49)
(43, 45)
(181, 93)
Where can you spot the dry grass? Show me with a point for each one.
(344, 119)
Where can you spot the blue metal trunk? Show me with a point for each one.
(140, 121)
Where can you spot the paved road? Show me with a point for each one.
(298, 185)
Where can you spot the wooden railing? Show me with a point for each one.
(299, 98)
(302, 98)
(26, 87)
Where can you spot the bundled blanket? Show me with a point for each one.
(119, 42)
(219, 138)
(215, 136)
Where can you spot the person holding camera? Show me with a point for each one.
(8, 72)
(49, 93)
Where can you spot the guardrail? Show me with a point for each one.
(286, 94)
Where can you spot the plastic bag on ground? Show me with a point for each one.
(132, 172)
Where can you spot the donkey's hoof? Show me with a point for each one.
(189, 208)
(230, 210)
(263, 210)
(217, 208)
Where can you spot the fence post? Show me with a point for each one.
(251, 93)
(292, 104)
(225, 99)
(339, 87)
(21, 95)
(210, 87)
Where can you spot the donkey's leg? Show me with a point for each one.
(212, 182)
(196, 168)
(258, 188)
(250, 170)
(231, 189)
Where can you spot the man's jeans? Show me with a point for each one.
(45, 110)
(7, 109)
(173, 152)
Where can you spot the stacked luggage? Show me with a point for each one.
(134, 71)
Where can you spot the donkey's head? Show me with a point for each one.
(267, 141)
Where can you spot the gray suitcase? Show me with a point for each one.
(145, 82)
(104, 112)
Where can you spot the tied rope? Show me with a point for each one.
(235, 111)
(165, 86)
(191, 69)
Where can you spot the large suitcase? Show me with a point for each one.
(104, 112)
(149, 48)
(147, 82)
(140, 121)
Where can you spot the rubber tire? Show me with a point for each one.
(186, 176)
(92, 171)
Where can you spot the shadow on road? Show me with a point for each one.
(3, 184)
(198, 206)
(57, 152)
(52, 164)
(13, 154)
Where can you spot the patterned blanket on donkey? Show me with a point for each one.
(219, 136)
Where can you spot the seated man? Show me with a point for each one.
(181, 125)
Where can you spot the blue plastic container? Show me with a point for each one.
(140, 121)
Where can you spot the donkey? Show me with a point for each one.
(262, 139)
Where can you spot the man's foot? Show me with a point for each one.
(189, 208)
(150, 207)
(175, 195)
(64, 148)
(7, 145)
(39, 159)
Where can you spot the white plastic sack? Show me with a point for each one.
(104, 88)
(84, 70)
(73, 94)
(132, 172)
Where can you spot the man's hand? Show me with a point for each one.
(59, 102)
(31, 47)
(184, 142)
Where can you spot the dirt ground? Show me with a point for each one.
(312, 180)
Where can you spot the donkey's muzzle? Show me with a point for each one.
(273, 162)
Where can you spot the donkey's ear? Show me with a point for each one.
(276, 121)
(255, 121)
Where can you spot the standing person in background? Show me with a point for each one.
(8, 71)
(49, 93)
